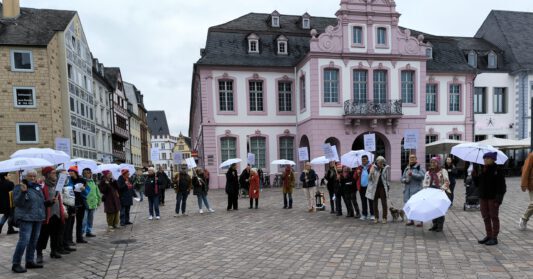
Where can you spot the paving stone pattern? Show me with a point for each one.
(272, 242)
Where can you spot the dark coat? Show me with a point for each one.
(81, 197)
(110, 196)
(125, 191)
(163, 180)
(244, 179)
(232, 182)
(151, 186)
(491, 183)
(308, 179)
(331, 177)
(6, 186)
(199, 186)
(183, 184)
(452, 173)
(29, 206)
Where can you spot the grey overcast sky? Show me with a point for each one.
(156, 42)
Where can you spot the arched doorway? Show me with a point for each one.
(304, 142)
(381, 147)
(334, 141)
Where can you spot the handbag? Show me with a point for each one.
(69, 199)
(11, 201)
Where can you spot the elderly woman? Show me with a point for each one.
(182, 186)
(232, 187)
(200, 190)
(308, 179)
(437, 177)
(254, 188)
(412, 178)
(109, 189)
(126, 192)
(288, 180)
(378, 187)
(152, 192)
(29, 215)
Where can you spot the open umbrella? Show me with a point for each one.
(53, 156)
(113, 168)
(129, 167)
(320, 161)
(230, 162)
(442, 146)
(283, 162)
(19, 164)
(83, 164)
(353, 158)
(427, 205)
(473, 152)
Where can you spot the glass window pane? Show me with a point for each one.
(380, 86)
(27, 132)
(24, 97)
(22, 60)
(360, 86)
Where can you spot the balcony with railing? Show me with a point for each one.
(119, 155)
(121, 132)
(373, 109)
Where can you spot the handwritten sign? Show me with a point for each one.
(410, 139)
(178, 157)
(335, 153)
(154, 154)
(328, 151)
(61, 181)
(303, 154)
(63, 144)
(370, 142)
(251, 159)
(191, 164)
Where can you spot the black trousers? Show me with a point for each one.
(338, 200)
(68, 228)
(233, 201)
(80, 214)
(54, 231)
(256, 203)
(350, 200)
(438, 222)
(366, 204)
(331, 192)
(162, 196)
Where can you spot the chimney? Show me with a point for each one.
(11, 8)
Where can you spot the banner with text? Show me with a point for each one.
(154, 154)
(303, 154)
(410, 139)
(63, 144)
(370, 142)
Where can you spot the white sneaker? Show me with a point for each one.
(372, 217)
(137, 199)
(363, 217)
(157, 217)
(201, 211)
(151, 217)
(522, 225)
(211, 210)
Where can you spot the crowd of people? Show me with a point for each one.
(42, 212)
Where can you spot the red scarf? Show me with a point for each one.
(433, 173)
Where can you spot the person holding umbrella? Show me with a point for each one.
(232, 187)
(80, 192)
(412, 178)
(437, 177)
(492, 188)
(288, 187)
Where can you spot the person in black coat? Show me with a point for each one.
(79, 208)
(449, 166)
(331, 178)
(163, 182)
(182, 186)
(152, 192)
(6, 186)
(244, 181)
(125, 192)
(492, 188)
(232, 187)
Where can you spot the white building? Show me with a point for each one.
(161, 140)
(102, 112)
(134, 142)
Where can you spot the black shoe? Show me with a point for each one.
(89, 235)
(250, 207)
(81, 240)
(338, 214)
(55, 255)
(357, 216)
(350, 215)
(31, 265)
(70, 243)
(69, 249)
(290, 207)
(484, 240)
(12, 231)
(439, 229)
(332, 212)
(433, 228)
(63, 252)
(39, 258)
(129, 223)
(285, 207)
(492, 241)
(17, 268)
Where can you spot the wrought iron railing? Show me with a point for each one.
(372, 108)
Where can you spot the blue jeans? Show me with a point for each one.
(28, 237)
(181, 202)
(202, 197)
(88, 221)
(141, 195)
(153, 204)
(125, 214)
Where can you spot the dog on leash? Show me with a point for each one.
(396, 214)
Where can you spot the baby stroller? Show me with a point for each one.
(320, 200)
(471, 195)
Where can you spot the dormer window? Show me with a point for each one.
(253, 43)
(472, 59)
(493, 60)
(429, 52)
(282, 45)
(275, 19)
(306, 21)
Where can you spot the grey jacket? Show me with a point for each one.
(29, 206)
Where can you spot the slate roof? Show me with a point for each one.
(34, 27)
(157, 123)
(512, 32)
(111, 75)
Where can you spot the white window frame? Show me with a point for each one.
(472, 59)
(15, 88)
(275, 21)
(361, 37)
(284, 44)
(306, 23)
(494, 57)
(19, 141)
(12, 58)
(250, 43)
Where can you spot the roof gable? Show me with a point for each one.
(157, 123)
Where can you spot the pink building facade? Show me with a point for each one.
(283, 82)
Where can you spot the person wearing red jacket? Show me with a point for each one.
(254, 188)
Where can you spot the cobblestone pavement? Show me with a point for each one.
(272, 242)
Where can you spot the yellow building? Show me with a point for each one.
(183, 147)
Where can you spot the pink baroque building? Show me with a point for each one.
(270, 83)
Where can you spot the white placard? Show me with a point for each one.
(410, 139)
(328, 151)
(178, 157)
(61, 181)
(154, 154)
(191, 164)
(251, 159)
(335, 153)
(63, 144)
(370, 142)
(303, 154)
(77, 187)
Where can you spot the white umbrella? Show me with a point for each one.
(83, 164)
(53, 156)
(473, 152)
(442, 146)
(18, 164)
(230, 162)
(283, 162)
(129, 167)
(320, 161)
(354, 158)
(113, 168)
(426, 205)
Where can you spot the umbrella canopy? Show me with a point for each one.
(320, 161)
(230, 162)
(53, 156)
(353, 158)
(427, 205)
(21, 163)
(113, 168)
(442, 146)
(283, 162)
(128, 167)
(504, 143)
(83, 164)
(473, 152)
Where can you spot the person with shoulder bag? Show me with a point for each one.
(200, 190)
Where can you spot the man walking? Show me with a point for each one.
(527, 185)
(164, 181)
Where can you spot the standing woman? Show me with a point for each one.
(232, 187)
(331, 177)
(109, 188)
(182, 185)
(492, 188)
(94, 199)
(244, 181)
(254, 188)
(350, 192)
(200, 190)
(29, 215)
(449, 166)
(152, 191)
(288, 187)
(437, 178)
(138, 183)
(308, 178)
(379, 187)
(6, 186)
(80, 195)
(412, 178)
(125, 190)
